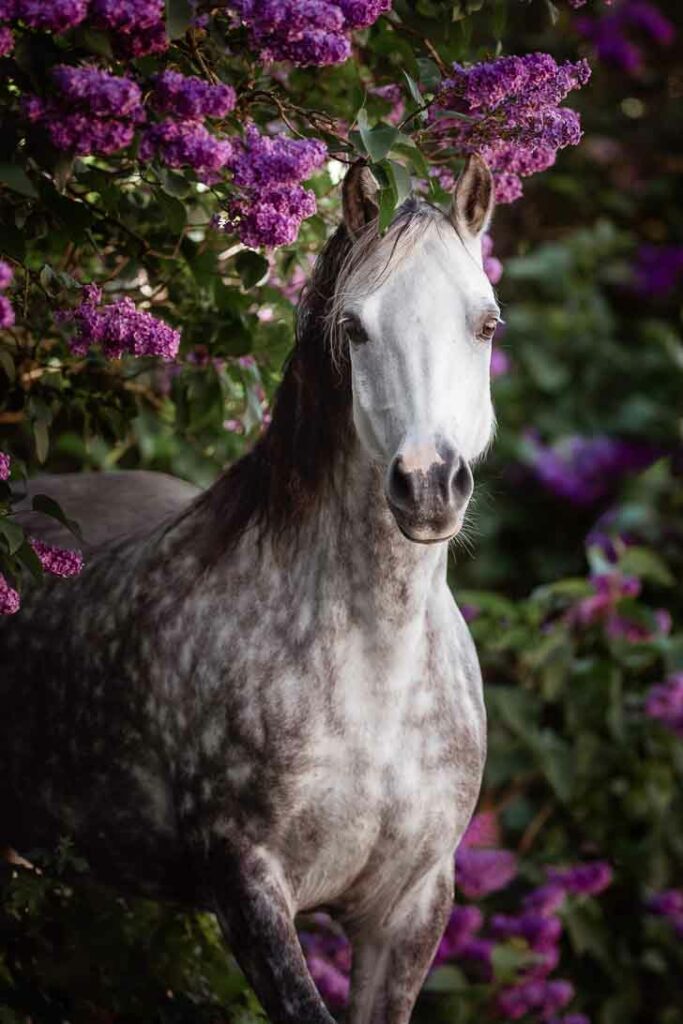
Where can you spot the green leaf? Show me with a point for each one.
(429, 73)
(252, 268)
(178, 17)
(41, 437)
(400, 179)
(174, 212)
(13, 534)
(646, 565)
(387, 205)
(7, 364)
(49, 507)
(174, 184)
(16, 179)
(377, 141)
(413, 89)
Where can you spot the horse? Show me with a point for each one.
(261, 699)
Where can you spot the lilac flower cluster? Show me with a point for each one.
(186, 144)
(10, 601)
(190, 98)
(182, 140)
(669, 905)
(6, 40)
(306, 31)
(602, 607)
(658, 269)
(58, 561)
(665, 703)
(119, 329)
(493, 268)
(135, 27)
(272, 203)
(328, 955)
(616, 34)
(5, 466)
(6, 309)
(586, 469)
(507, 110)
(92, 112)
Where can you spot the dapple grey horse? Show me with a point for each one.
(262, 699)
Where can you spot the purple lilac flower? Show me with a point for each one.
(306, 31)
(500, 362)
(6, 313)
(136, 26)
(611, 33)
(539, 932)
(584, 879)
(665, 703)
(271, 218)
(119, 329)
(493, 268)
(658, 269)
(669, 905)
(57, 561)
(543, 997)
(5, 466)
(9, 598)
(462, 925)
(586, 469)
(186, 144)
(262, 161)
(480, 872)
(546, 899)
(6, 275)
(329, 960)
(92, 112)
(51, 15)
(189, 97)
(6, 41)
(512, 114)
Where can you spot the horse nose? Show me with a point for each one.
(429, 487)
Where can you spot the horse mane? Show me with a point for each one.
(278, 484)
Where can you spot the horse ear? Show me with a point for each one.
(473, 201)
(359, 198)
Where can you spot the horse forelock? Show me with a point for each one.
(277, 485)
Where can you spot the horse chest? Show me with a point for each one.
(394, 770)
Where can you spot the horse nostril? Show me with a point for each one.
(401, 488)
(462, 481)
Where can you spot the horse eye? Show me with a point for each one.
(488, 328)
(355, 331)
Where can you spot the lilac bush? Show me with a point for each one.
(118, 328)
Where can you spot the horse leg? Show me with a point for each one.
(255, 915)
(390, 961)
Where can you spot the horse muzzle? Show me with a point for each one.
(428, 488)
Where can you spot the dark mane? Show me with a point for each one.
(280, 481)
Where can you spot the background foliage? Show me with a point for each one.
(572, 583)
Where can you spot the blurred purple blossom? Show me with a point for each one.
(5, 466)
(119, 328)
(664, 702)
(478, 871)
(507, 110)
(136, 27)
(57, 561)
(6, 313)
(500, 362)
(6, 41)
(585, 469)
(51, 15)
(658, 269)
(586, 879)
(669, 905)
(462, 925)
(328, 955)
(616, 34)
(540, 996)
(392, 94)
(493, 268)
(9, 598)
(6, 275)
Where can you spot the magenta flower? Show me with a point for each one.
(6, 41)
(586, 469)
(271, 217)
(480, 872)
(493, 268)
(507, 110)
(540, 996)
(618, 34)
(57, 561)
(6, 313)
(186, 144)
(9, 598)
(5, 466)
(583, 879)
(190, 98)
(664, 702)
(51, 15)
(119, 328)
(462, 925)
(6, 275)
(328, 955)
